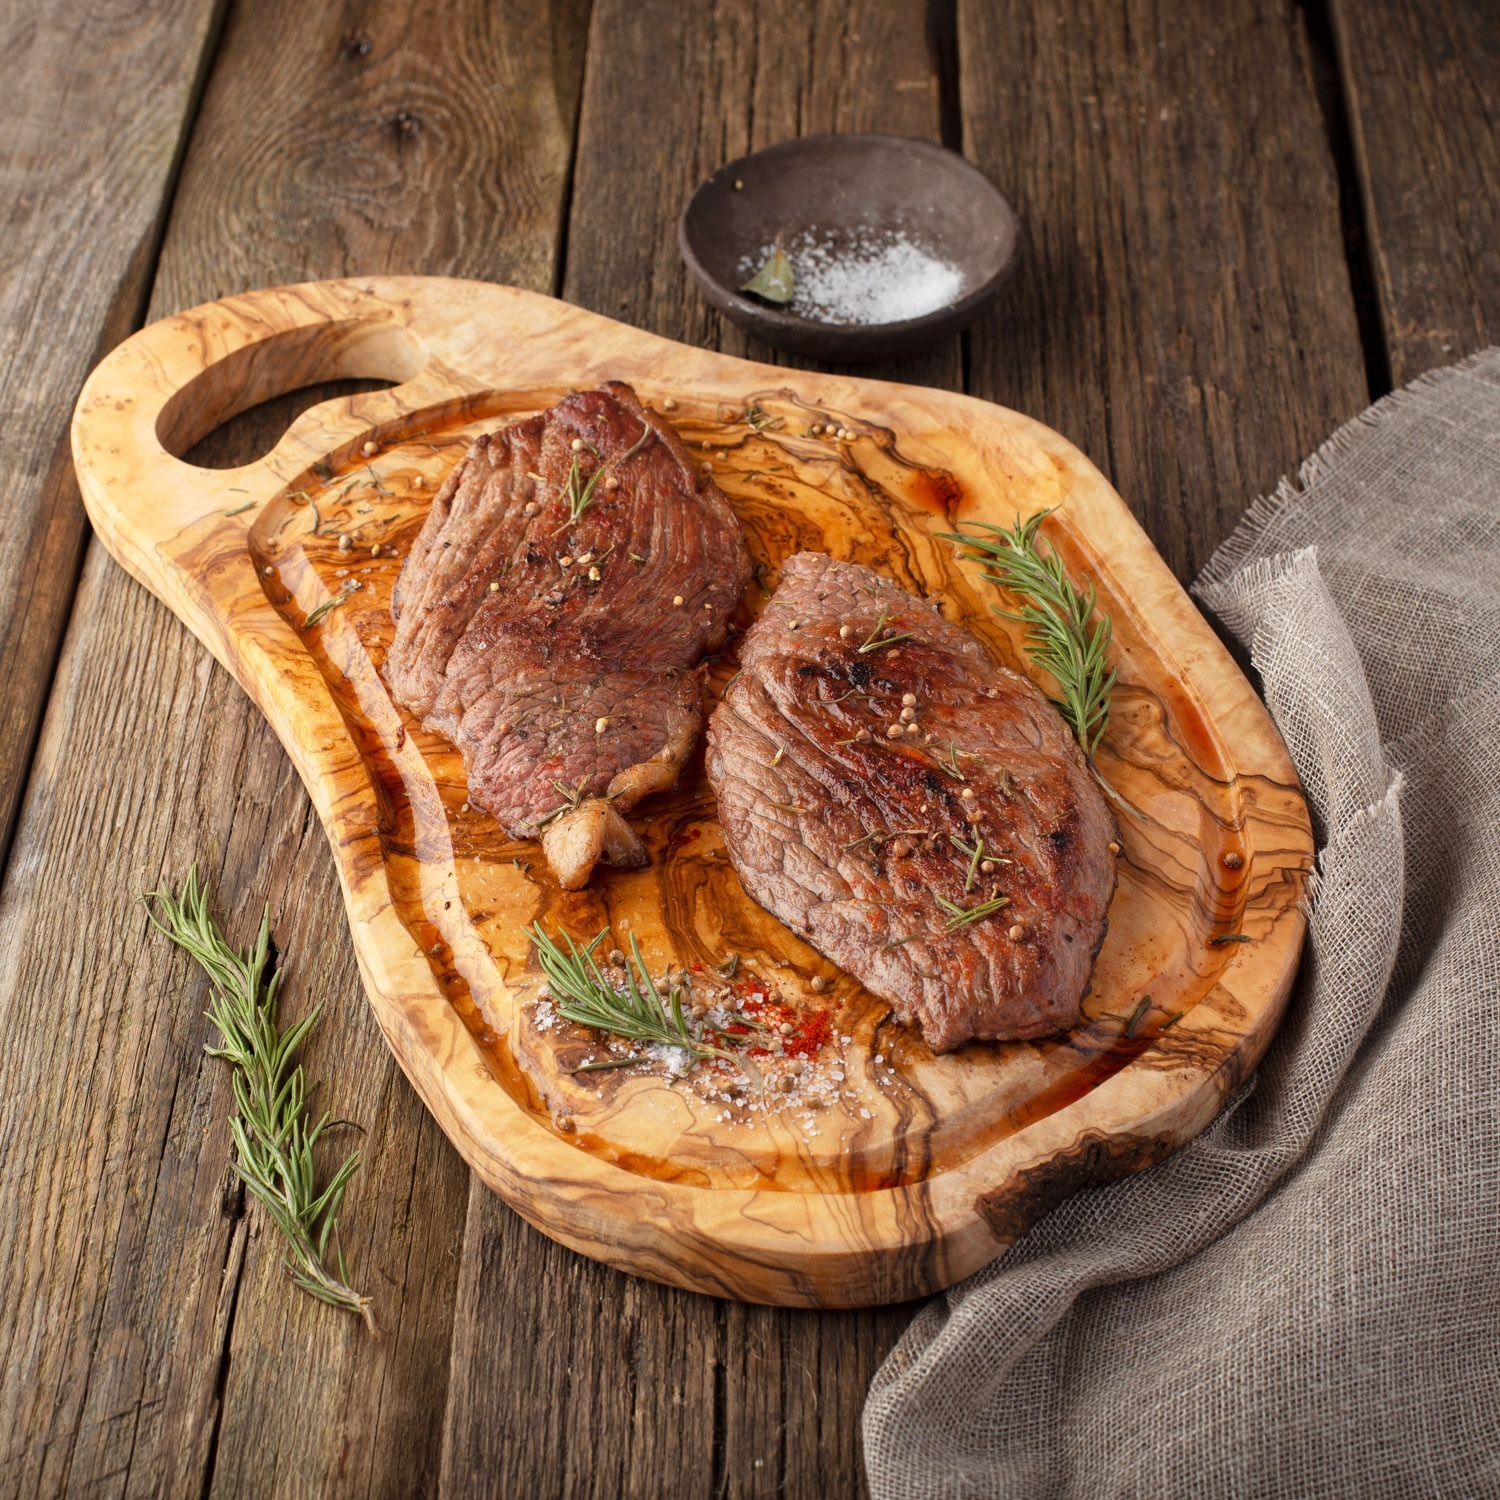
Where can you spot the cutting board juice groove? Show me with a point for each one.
(912, 1170)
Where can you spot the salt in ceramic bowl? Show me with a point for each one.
(895, 243)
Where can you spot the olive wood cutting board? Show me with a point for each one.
(886, 1172)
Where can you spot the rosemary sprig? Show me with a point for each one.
(571, 795)
(639, 1012)
(760, 420)
(975, 855)
(352, 587)
(963, 916)
(647, 433)
(883, 833)
(1067, 634)
(951, 764)
(579, 493)
(873, 644)
(273, 1141)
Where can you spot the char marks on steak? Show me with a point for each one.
(540, 635)
(850, 830)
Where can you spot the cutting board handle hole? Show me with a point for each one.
(253, 434)
(239, 407)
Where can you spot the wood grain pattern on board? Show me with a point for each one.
(918, 1169)
(1421, 80)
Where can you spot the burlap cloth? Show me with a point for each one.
(1305, 1301)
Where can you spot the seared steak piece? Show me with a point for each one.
(920, 815)
(572, 573)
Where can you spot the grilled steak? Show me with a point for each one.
(920, 815)
(572, 573)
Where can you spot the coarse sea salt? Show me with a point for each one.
(883, 277)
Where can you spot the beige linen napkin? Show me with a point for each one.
(1306, 1299)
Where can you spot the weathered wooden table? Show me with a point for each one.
(1246, 220)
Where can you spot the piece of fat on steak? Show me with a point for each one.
(854, 822)
(551, 616)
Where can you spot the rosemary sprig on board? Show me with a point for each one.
(1067, 634)
(638, 1011)
(274, 1142)
(350, 588)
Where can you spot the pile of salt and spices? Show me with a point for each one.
(880, 276)
(724, 1032)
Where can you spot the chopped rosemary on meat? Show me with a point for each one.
(1067, 634)
(884, 833)
(951, 764)
(647, 433)
(353, 586)
(571, 795)
(975, 855)
(578, 492)
(961, 916)
(874, 641)
(780, 751)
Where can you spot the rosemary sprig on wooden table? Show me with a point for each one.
(1067, 634)
(273, 1141)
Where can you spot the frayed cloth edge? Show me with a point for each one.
(1387, 807)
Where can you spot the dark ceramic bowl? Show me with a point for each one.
(847, 193)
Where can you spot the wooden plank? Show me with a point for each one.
(1184, 311)
(81, 205)
(161, 1349)
(679, 1394)
(1420, 82)
(741, 77)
